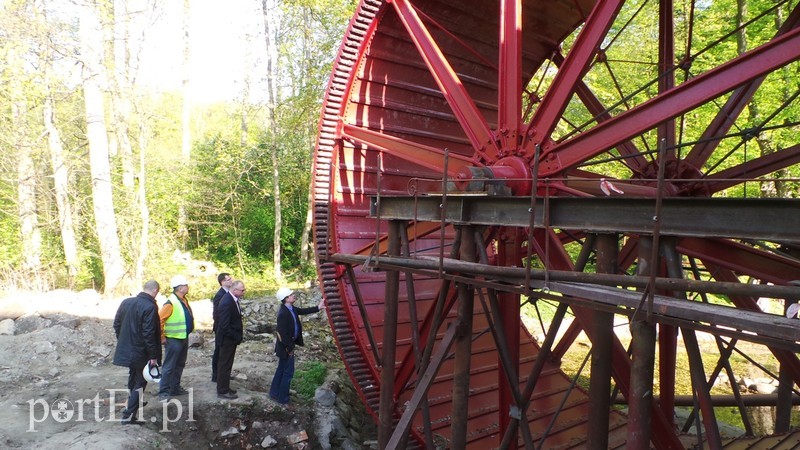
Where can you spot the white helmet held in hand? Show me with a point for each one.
(152, 373)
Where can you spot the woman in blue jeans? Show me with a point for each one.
(290, 334)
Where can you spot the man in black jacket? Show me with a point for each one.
(138, 331)
(224, 279)
(290, 334)
(230, 332)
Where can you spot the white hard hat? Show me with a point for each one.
(178, 280)
(283, 293)
(152, 373)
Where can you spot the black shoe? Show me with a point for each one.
(231, 391)
(227, 396)
(178, 392)
(130, 421)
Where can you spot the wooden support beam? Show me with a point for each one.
(602, 340)
(392, 286)
(463, 351)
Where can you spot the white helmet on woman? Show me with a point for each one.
(152, 373)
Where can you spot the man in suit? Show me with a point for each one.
(224, 279)
(138, 332)
(230, 332)
(290, 334)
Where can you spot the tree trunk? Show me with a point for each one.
(186, 142)
(30, 234)
(96, 134)
(272, 129)
(305, 244)
(61, 190)
(31, 237)
(144, 211)
(121, 95)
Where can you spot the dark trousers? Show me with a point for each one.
(279, 390)
(175, 353)
(215, 356)
(136, 386)
(227, 352)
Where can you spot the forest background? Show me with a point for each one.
(125, 140)
(135, 130)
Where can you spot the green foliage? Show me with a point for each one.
(307, 378)
(227, 183)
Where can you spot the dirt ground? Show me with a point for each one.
(60, 390)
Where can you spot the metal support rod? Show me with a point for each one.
(536, 371)
(443, 206)
(387, 406)
(376, 247)
(713, 438)
(463, 350)
(532, 217)
(511, 375)
(602, 334)
(574, 329)
(351, 275)
(435, 319)
(643, 349)
(662, 153)
(726, 400)
(509, 253)
(737, 393)
(725, 358)
(498, 329)
(725, 353)
(421, 391)
(668, 334)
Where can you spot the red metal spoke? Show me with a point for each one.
(666, 76)
(571, 72)
(509, 87)
(407, 368)
(761, 166)
(627, 149)
(419, 230)
(726, 117)
(695, 92)
(464, 108)
(423, 155)
(742, 259)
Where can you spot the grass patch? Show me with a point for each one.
(307, 378)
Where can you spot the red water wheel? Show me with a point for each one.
(479, 105)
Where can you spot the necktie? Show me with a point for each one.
(294, 318)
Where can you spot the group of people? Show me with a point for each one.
(142, 328)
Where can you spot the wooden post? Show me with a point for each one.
(463, 350)
(387, 407)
